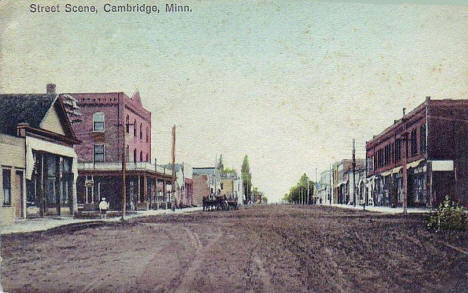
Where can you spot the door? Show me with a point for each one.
(20, 194)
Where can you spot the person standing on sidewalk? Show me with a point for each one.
(103, 207)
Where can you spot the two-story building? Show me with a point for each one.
(206, 182)
(37, 161)
(425, 153)
(343, 184)
(114, 125)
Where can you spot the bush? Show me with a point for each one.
(449, 216)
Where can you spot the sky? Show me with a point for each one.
(289, 83)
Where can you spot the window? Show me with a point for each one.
(141, 130)
(147, 134)
(422, 139)
(134, 128)
(98, 121)
(387, 155)
(99, 153)
(147, 159)
(397, 150)
(127, 124)
(6, 187)
(134, 155)
(141, 156)
(414, 142)
(127, 153)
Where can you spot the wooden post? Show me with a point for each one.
(124, 185)
(354, 172)
(41, 185)
(58, 198)
(173, 188)
(405, 175)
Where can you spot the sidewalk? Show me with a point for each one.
(385, 210)
(43, 224)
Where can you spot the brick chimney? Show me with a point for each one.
(51, 89)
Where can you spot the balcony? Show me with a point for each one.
(117, 166)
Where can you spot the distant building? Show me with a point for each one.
(37, 159)
(324, 189)
(106, 117)
(343, 180)
(232, 187)
(206, 181)
(431, 143)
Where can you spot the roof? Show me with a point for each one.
(28, 108)
(32, 109)
(204, 171)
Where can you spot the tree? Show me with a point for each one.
(299, 191)
(246, 178)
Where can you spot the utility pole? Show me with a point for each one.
(354, 172)
(331, 185)
(365, 181)
(173, 162)
(405, 174)
(124, 168)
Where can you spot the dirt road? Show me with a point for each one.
(260, 249)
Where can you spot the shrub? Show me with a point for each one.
(449, 216)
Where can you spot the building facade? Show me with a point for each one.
(206, 182)
(426, 151)
(343, 184)
(231, 186)
(107, 120)
(37, 159)
(323, 188)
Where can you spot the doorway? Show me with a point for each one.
(19, 191)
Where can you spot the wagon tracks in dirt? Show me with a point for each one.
(200, 255)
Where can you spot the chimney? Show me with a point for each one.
(404, 112)
(51, 89)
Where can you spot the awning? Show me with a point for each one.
(390, 172)
(414, 164)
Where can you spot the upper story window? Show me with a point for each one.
(99, 153)
(147, 134)
(141, 156)
(127, 153)
(6, 187)
(147, 158)
(414, 142)
(397, 150)
(98, 121)
(134, 155)
(422, 139)
(134, 128)
(127, 124)
(141, 130)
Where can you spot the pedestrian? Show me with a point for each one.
(103, 207)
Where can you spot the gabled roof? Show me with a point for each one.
(31, 109)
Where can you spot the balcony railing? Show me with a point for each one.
(115, 166)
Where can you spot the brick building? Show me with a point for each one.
(426, 151)
(105, 116)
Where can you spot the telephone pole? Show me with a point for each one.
(124, 168)
(173, 161)
(354, 171)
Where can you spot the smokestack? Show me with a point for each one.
(51, 89)
(404, 112)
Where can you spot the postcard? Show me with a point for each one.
(233, 146)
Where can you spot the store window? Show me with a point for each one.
(6, 187)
